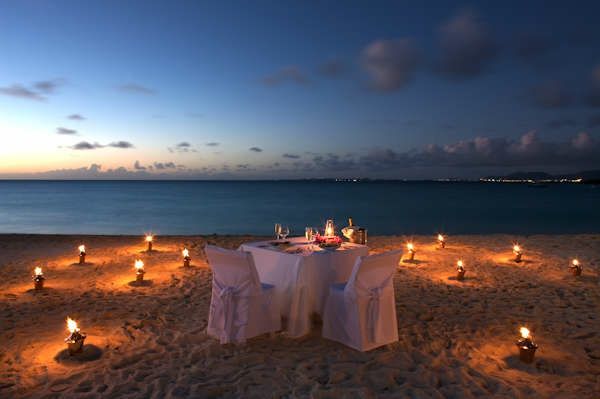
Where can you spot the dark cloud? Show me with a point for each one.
(255, 149)
(289, 74)
(213, 144)
(291, 156)
(532, 45)
(21, 91)
(332, 68)
(561, 123)
(467, 46)
(183, 144)
(390, 64)
(85, 145)
(64, 130)
(594, 121)
(48, 86)
(551, 94)
(136, 89)
(592, 98)
(164, 165)
(529, 150)
(120, 144)
(138, 166)
(76, 117)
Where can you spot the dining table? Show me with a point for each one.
(302, 272)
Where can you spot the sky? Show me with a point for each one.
(298, 89)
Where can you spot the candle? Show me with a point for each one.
(441, 240)
(411, 250)
(149, 239)
(329, 228)
(76, 337)
(518, 252)
(139, 270)
(576, 267)
(186, 257)
(460, 270)
(526, 346)
(81, 254)
(38, 278)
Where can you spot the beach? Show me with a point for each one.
(456, 338)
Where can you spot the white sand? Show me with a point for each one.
(456, 338)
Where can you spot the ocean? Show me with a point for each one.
(242, 207)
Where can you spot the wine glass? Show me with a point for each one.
(309, 234)
(284, 232)
(277, 230)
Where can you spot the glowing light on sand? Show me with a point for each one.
(38, 271)
(441, 240)
(75, 339)
(185, 253)
(460, 264)
(575, 262)
(149, 239)
(81, 249)
(525, 333)
(518, 251)
(139, 265)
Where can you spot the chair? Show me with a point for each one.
(240, 307)
(362, 312)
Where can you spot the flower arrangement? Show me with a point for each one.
(328, 241)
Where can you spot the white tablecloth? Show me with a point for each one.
(301, 275)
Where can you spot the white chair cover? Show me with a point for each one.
(241, 307)
(362, 312)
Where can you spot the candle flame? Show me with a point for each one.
(440, 237)
(139, 265)
(72, 325)
(185, 253)
(410, 246)
(575, 262)
(524, 332)
(38, 271)
(82, 248)
(149, 237)
(516, 248)
(460, 263)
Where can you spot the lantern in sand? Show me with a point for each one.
(576, 267)
(411, 250)
(149, 239)
(526, 346)
(460, 270)
(81, 254)
(38, 278)
(139, 270)
(76, 337)
(441, 241)
(518, 251)
(186, 257)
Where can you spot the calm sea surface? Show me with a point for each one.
(134, 207)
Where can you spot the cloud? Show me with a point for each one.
(64, 130)
(291, 156)
(560, 123)
(594, 121)
(289, 74)
(137, 166)
(551, 94)
(255, 149)
(76, 117)
(592, 98)
(182, 147)
(136, 89)
(48, 86)
(85, 145)
(183, 144)
(213, 144)
(21, 91)
(467, 46)
(530, 46)
(528, 150)
(164, 165)
(332, 68)
(121, 144)
(390, 64)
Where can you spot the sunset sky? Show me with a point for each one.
(186, 89)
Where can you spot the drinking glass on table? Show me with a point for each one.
(284, 232)
(309, 234)
(277, 230)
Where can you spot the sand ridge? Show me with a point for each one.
(456, 338)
